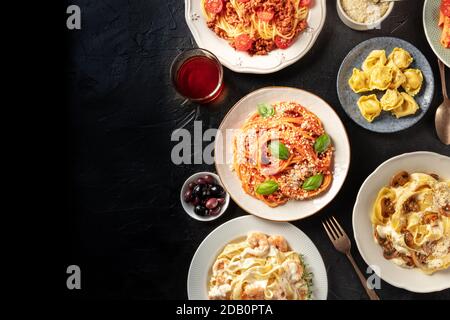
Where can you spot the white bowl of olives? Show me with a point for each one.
(203, 196)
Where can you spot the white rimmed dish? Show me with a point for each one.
(292, 210)
(433, 31)
(189, 208)
(409, 279)
(243, 62)
(204, 257)
(349, 22)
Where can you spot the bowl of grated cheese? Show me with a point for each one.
(363, 15)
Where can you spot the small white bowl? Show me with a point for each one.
(358, 25)
(189, 208)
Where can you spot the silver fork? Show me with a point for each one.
(342, 244)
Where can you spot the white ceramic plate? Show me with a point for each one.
(204, 257)
(409, 279)
(292, 210)
(241, 61)
(432, 30)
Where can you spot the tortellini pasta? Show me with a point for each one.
(414, 80)
(401, 58)
(408, 107)
(375, 58)
(359, 81)
(380, 77)
(390, 75)
(370, 107)
(392, 99)
(398, 78)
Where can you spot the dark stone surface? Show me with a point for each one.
(127, 229)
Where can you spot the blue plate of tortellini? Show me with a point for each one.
(385, 84)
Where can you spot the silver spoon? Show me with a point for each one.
(442, 118)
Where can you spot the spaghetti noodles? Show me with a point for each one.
(257, 26)
(282, 152)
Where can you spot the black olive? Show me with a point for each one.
(200, 181)
(191, 185)
(201, 210)
(216, 190)
(206, 193)
(188, 195)
(209, 179)
(215, 211)
(197, 191)
(196, 201)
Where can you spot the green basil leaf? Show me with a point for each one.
(313, 183)
(265, 110)
(279, 150)
(267, 187)
(322, 143)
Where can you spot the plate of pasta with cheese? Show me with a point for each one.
(385, 84)
(282, 153)
(248, 258)
(256, 36)
(436, 23)
(401, 221)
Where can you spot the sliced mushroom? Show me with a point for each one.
(434, 175)
(445, 210)
(400, 179)
(380, 240)
(419, 259)
(387, 208)
(428, 247)
(389, 251)
(409, 261)
(410, 205)
(409, 239)
(430, 217)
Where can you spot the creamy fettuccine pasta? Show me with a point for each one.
(259, 268)
(411, 219)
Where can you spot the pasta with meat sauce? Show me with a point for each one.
(411, 220)
(257, 26)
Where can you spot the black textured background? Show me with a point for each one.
(126, 227)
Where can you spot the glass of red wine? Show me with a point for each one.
(197, 75)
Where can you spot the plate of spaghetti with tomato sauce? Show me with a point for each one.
(282, 153)
(256, 36)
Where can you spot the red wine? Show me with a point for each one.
(198, 77)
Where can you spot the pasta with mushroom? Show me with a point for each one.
(411, 218)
